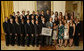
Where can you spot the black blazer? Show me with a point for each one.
(12, 28)
(37, 29)
(32, 29)
(47, 17)
(77, 28)
(28, 28)
(22, 28)
(17, 28)
(6, 27)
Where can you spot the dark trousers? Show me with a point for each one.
(17, 40)
(76, 40)
(49, 40)
(33, 40)
(12, 39)
(37, 40)
(43, 39)
(22, 40)
(27, 40)
(7, 39)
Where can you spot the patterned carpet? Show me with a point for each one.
(4, 47)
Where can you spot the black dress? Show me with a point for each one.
(71, 32)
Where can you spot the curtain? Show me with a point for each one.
(6, 10)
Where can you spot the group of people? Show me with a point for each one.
(25, 29)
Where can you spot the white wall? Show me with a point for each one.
(24, 5)
(59, 6)
(30, 5)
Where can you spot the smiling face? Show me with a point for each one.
(11, 20)
(51, 19)
(32, 21)
(28, 21)
(32, 16)
(36, 22)
(36, 16)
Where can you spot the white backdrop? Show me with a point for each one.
(24, 5)
(30, 5)
(59, 6)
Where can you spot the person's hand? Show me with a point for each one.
(49, 27)
(78, 34)
(67, 34)
(62, 34)
(15, 37)
(36, 34)
(10, 33)
(16, 34)
(32, 35)
(21, 34)
(27, 34)
(73, 34)
(5, 33)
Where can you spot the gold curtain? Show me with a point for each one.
(6, 10)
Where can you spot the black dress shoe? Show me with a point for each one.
(18, 45)
(7, 45)
(12, 44)
(33, 45)
(37, 45)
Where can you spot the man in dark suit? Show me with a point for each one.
(23, 13)
(18, 13)
(28, 32)
(77, 32)
(20, 18)
(26, 18)
(6, 30)
(22, 35)
(33, 32)
(42, 13)
(37, 33)
(13, 17)
(43, 24)
(12, 32)
(27, 13)
(37, 18)
(33, 13)
(32, 18)
(47, 15)
(17, 31)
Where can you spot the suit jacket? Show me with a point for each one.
(47, 17)
(33, 15)
(37, 29)
(43, 24)
(25, 20)
(20, 19)
(6, 27)
(22, 25)
(33, 29)
(17, 28)
(77, 28)
(28, 28)
(13, 17)
(11, 28)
